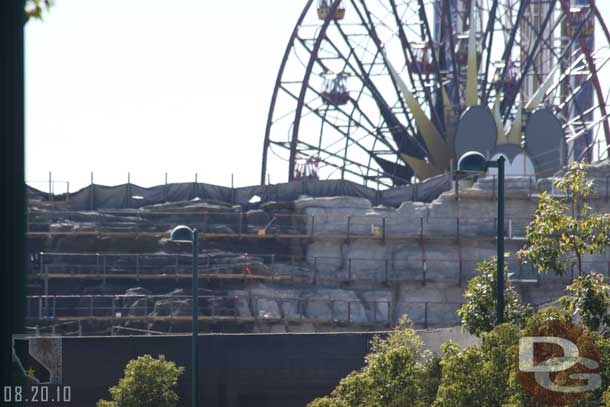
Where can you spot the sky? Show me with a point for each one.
(149, 87)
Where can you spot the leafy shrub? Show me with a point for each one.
(148, 382)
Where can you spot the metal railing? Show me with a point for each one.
(237, 308)
(307, 269)
(62, 329)
(263, 225)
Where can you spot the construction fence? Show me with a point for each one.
(94, 197)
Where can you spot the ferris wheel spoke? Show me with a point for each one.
(489, 47)
(591, 63)
(423, 84)
(400, 136)
(368, 23)
(326, 160)
(369, 26)
(405, 46)
(506, 56)
(447, 20)
(362, 74)
(528, 62)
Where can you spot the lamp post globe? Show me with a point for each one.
(473, 162)
(181, 233)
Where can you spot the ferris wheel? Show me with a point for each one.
(390, 92)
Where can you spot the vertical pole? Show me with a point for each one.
(349, 226)
(349, 311)
(349, 269)
(386, 271)
(233, 189)
(128, 191)
(104, 268)
(68, 191)
(195, 336)
(50, 186)
(165, 193)
(313, 224)
(500, 243)
(426, 315)
(91, 193)
(46, 290)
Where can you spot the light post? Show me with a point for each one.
(184, 234)
(475, 162)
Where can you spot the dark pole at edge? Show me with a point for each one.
(500, 243)
(12, 204)
(195, 336)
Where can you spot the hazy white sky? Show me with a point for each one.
(153, 86)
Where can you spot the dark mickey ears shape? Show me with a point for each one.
(545, 142)
(476, 131)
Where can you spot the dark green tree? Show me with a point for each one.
(565, 228)
(588, 297)
(478, 375)
(478, 313)
(398, 372)
(148, 382)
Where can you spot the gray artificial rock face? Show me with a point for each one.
(333, 305)
(172, 307)
(420, 269)
(140, 307)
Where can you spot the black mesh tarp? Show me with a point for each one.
(132, 196)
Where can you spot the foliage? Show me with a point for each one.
(589, 298)
(564, 228)
(483, 375)
(398, 372)
(35, 8)
(603, 345)
(478, 314)
(477, 376)
(519, 398)
(148, 382)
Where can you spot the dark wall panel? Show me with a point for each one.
(237, 370)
